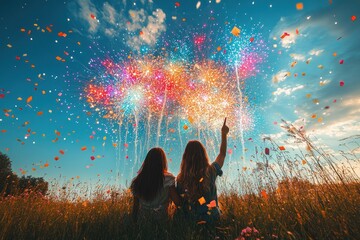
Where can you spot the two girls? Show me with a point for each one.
(154, 186)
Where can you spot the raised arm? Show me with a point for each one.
(221, 157)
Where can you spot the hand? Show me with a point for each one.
(225, 129)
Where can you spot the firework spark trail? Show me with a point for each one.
(160, 118)
(241, 110)
(179, 130)
(136, 139)
(148, 130)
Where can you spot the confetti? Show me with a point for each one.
(212, 204)
(198, 4)
(83, 148)
(353, 18)
(282, 148)
(29, 99)
(341, 61)
(177, 4)
(285, 34)
(56, 158)
(342, 83)
(236, 31)
(202, 200)
(267, 151)
(299, 6)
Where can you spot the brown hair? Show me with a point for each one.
(195, 169)
(150, 178)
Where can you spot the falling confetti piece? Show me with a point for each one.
(334, 54)
(201, 179)
(236, 31)
(282, 148)
(341, 61)
(320, 119)
(212, 204)
(29, 99)
(267, 151)
(61, 34)
(2, 95)
(48, 29)
(285, 34)
(342, 83)
(299, 6)
(185, 127)
(297, 31)
(40, 113)
(198, 4)
(303, 162)
(9, 46)
(202, 200)
(251, 39)
(264, 194)
(218, 1)
(3, 131)
(83, 148)
(353, 18)
(92, 158)
(177, 4)
(56, 158)
(58, 58)
(92, 16)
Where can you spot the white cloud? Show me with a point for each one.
(297, 57)
(287, 90)
(338, 129)
(87, 8)
(151, 27)
(109, 13)
(141, 27)
(280, 76)
(316, 52)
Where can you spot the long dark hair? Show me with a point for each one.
(195, 170)
(150, 178)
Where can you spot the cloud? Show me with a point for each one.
(137, 27)
(297, 57)
(287, 90)
(109, 13)
(150, 27)
(316, 52)
(280, 76)
(86, 9)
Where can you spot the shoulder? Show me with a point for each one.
(169, 179)
(216, 169)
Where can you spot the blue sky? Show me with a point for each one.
(298, 78)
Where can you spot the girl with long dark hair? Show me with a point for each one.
(153, 187)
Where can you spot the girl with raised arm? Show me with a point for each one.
(196, 180)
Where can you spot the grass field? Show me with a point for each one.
(310, 195)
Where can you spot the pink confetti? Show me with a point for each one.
(342, 83)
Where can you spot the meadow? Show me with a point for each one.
(309, 195)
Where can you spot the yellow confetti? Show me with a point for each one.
(202, 200)
(9, 46)
(236, 31)
(201, 179)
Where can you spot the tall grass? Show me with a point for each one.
(307, 195)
